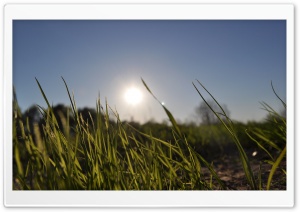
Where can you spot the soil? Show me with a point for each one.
(229, 169)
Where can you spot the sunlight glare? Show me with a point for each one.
(133, 96)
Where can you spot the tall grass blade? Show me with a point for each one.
(259, 144)
(283, 103)
(229, 126)
(169, 114)
(275, 166)
(44, 95)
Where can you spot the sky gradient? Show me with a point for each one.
(234, 60)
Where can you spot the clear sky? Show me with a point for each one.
(235, 60)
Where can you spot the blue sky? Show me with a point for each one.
(235, 60)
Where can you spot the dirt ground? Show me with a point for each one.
(230, 170)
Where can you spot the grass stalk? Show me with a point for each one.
(230, 128)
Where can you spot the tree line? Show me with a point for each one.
(207, 136)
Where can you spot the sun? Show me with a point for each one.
(133, 96)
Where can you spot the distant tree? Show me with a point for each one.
(63, 115)
(206, 115)
(32, 118)
(33, 114)
(88, 114)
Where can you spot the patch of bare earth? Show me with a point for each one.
(229, 169)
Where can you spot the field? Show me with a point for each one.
(66, 148)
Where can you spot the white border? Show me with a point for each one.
(147, 198)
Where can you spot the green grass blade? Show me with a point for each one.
(169, 114)
(230, 128)
(259, 145)
(283, 103)
(275, 166)
(44, 95)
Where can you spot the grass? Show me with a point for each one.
(265, 142)
(96, 153)
(228, 124)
